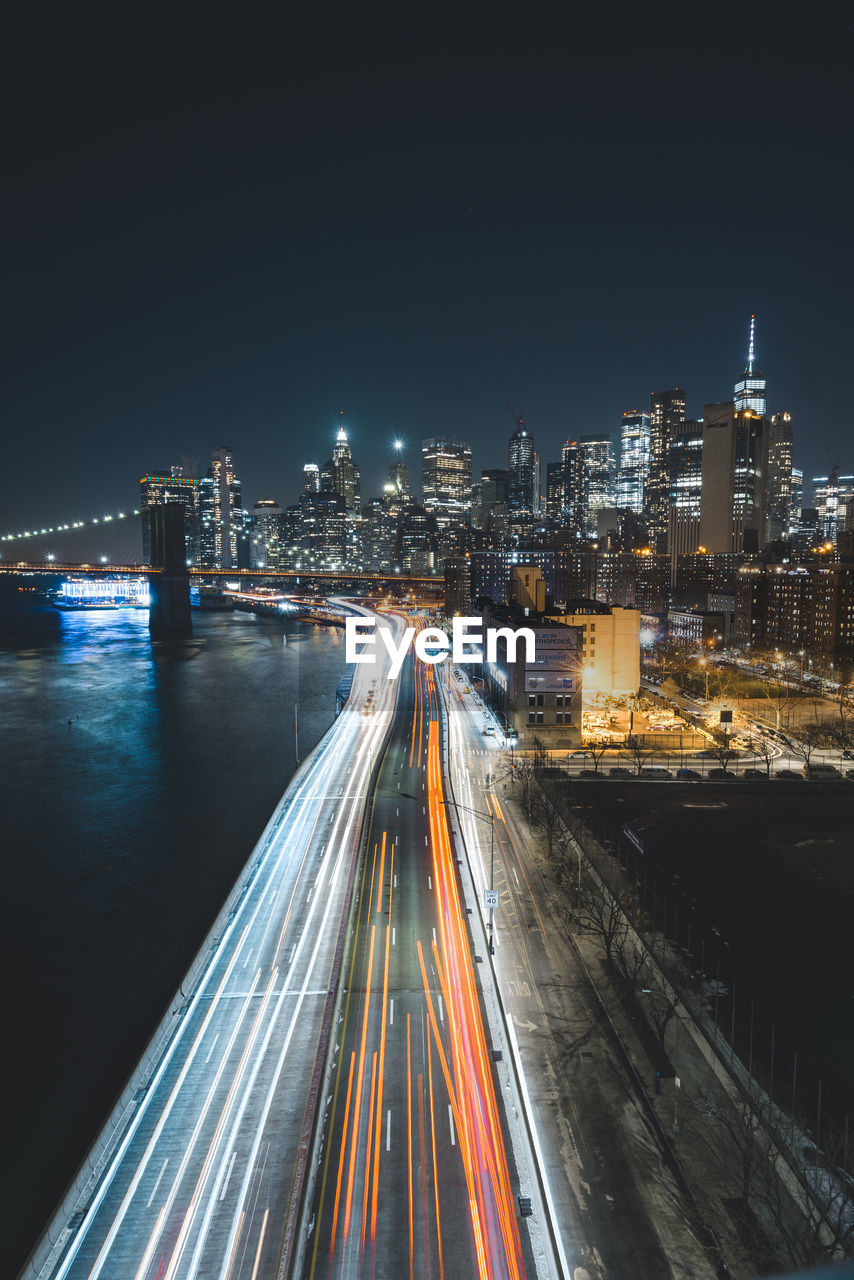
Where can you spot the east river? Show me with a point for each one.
(136, 779)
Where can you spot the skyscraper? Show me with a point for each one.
(750, 388)
(573, 514)
(780, 476)
(398, 477)
(221, 512)
(834, 498)
(311, 478)
(634, 460)
(265, 538)
(666, 417)
(341, 475)
(174, 487)
(600, 473)
(446, 479)
(733, 506)
(685, 480)
(520, 471)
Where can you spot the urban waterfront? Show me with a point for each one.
(158, 766)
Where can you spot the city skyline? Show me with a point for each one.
(415, 234)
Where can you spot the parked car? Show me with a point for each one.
(588, 773)
(619, 772)
(849, 773)
(688, 775)
(717, 775)
(655, 771)
(577, 755)
(755, 775)
(789, 775)
(821, 772)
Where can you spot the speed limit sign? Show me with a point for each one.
(490, 898)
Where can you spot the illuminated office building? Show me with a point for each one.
(634, 460)
(446, 480)
(780, 513)
(685, 480)
(265, 535)
(521, 459)
(600, 478)
(174, 487)
(733, 503)
(834, 499)
(341, 476)
(666, 419)
(220, 513)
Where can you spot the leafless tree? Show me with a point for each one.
(764, 751)
(661, 1009)
(724, 753)
(549, 813)
(600, 914)
(596, 751)
(539, 757)
(810, 737)
(639, 752)
(631, 958)
(778, 693)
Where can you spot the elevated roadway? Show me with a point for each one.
(415, 1178)
(201, 1172)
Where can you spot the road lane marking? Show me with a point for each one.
(430, 883)
(291, 956)
(392, 937)
(228, 1175)
(388, 1130)
(248, 956)
(157, 1183)
(211, 1049)
(260, 1244)
(451, 1123)
(391, 1012)
(441, 1006)
(434, 937)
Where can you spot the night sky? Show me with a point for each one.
(228, 225)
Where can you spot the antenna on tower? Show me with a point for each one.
(751, 345)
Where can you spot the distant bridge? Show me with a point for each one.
(336, 579)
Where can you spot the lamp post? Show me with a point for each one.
(704, 664)
(490, 894)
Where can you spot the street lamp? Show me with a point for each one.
(704, 664)
(490, 894)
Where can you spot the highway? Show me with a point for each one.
(203, 1172)
(601, 1175)
(210, 1171)
(415, 1180)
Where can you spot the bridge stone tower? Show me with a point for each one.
(169, 614)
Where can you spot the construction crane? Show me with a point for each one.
(520, 422)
